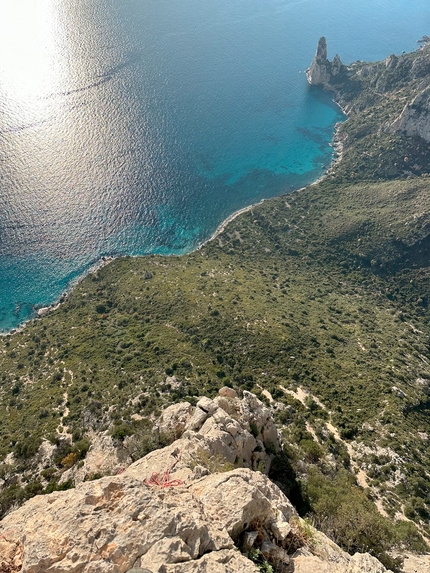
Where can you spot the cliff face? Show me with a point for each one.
(322, 71)
(167, 513)
(415, 117)
(381, 99)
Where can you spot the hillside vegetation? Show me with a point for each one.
(319, 298)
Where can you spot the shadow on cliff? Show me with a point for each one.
(285, 477)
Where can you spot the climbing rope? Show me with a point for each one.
(154, 480)
(7, 533)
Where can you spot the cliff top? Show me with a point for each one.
(166, 513)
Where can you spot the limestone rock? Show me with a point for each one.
(227, 392)
(160, 514)
(225, 561)
(249, 538)
(322, 71)
(159, 461)
(314, 564)
(174, 382)
(10, 555)
(258, 417)
(103, 457)
(319, 72)
(45, 453)
(110, 526)
(280, 529)
(117, 523)
(364, 562)
(241, 498)
(216, 435)
(327, 557)
(207, 405)
(391, 61)
(174, 419)
(222, 436)
(198, 419)
(421, 67)
(336, 66)
(359, 563)
(415, 117)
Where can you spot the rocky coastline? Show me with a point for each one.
(177, 498)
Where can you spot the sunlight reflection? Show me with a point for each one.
(30, 66)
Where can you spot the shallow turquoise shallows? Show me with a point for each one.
(137, 126)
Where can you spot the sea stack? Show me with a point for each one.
(322, 71)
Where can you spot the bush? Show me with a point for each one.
(27, 447)
(81, 447)
(215, 464)
(69, 460)
(254, 429)
(55, 486)
(10, 497)
(313, 451)
(344, 513)
(121, 431)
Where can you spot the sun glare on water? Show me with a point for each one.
(30, 66)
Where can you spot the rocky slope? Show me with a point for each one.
(317, 300)
(168, 513)
(415, 117)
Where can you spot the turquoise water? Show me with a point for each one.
(136, 127)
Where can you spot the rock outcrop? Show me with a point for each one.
(219, 434)
(322, 71)
(114, 524)
(177, 510)
(415, 117)
(227, 430)
(104, 457)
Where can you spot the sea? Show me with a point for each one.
(130, 127)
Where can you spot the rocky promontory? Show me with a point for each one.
(185, 508)
(322, 71)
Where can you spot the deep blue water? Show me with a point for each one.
(137, 126)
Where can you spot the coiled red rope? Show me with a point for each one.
(154, 480)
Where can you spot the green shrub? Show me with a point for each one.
(343, 512)
(254, 429)
(313, 451)
(27, 447)
(215, 464)
(121, 431)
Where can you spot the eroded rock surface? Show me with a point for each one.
(322, 71)
(415, 117)
(116, 523)
(173, 511)
(104, 457)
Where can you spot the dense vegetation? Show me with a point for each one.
(324, 290)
